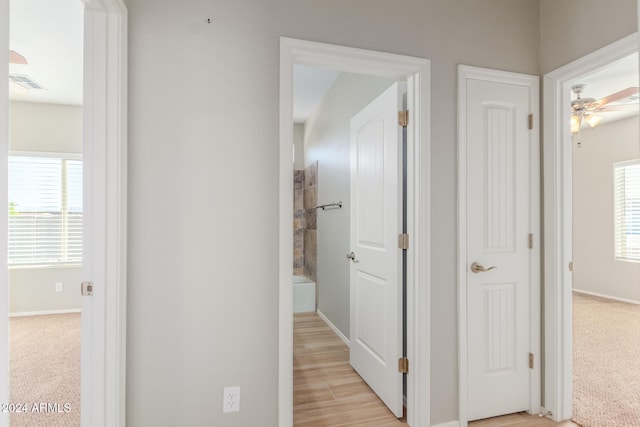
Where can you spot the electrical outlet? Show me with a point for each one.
(59, 287)
(231, 399)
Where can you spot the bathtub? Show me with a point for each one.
(304, 294)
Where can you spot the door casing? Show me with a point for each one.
(4, 219)
(416, 71)
(558, 220)
(105, 165)
(465, 73)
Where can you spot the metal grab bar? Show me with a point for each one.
(336, 205)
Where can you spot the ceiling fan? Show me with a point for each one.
(583, 110)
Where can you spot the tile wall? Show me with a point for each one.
(305, 201)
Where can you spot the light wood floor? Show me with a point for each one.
(327, 392)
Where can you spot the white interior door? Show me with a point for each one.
(375, 296)
(498, 260)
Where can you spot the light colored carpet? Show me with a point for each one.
(606, 362)
(45, 369)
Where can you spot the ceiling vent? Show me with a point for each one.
(25, 81)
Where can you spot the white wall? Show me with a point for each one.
(327, 140)
(186, 146)
(595, 268)
(32, 290)
(570, 29)
(203, 184)
(46, 128)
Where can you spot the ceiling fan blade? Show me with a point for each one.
(624, 93)
(16, 58)
(621, 107)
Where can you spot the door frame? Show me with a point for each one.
(558, 220)
(532, 82)
(105, 204)
(417, 73)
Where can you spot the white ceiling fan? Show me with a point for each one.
(21, 83)
(587, 110)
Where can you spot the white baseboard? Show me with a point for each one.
(44, 312)
(333, 327)
(449, 424)
(630, 301)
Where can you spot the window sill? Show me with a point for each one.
(43, 266)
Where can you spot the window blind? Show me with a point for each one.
(45, 210)
(627, 210)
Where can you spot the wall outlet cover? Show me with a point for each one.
(231, 399)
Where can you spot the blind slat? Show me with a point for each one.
(45, 210)
(627, 210)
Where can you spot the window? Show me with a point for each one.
(45, 210)
(627, 210)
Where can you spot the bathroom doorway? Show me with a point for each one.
(348, 132)
(415, 72)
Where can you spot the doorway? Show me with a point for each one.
(558, 218)
(416, 73)
(104, 264)
(606, 249)
(352, 149)
(45, 211)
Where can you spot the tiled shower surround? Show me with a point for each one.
(298, 222)
(305, 197)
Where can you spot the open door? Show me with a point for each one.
(376, 261)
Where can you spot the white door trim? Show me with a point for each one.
(105, 159)
(417, 73)
(532, 82)
(558, 221)
(105, 148)
(4, 231)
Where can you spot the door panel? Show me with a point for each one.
(498, 227)
(375, 305)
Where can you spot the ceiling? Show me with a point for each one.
(309, 87)
(49, 35)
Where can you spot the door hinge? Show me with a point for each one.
(403, 365)
(86, 289)
(571, 266)
(530, 360)
(530, 240)
(403, 118)
(403, 241)
(530, 121)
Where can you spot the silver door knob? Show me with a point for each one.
(476, 267)
(352, 256)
